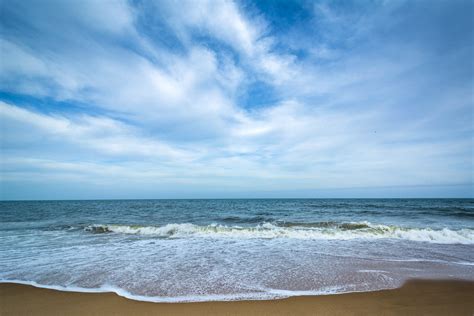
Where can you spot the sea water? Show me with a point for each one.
(202, 250)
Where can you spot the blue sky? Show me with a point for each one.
(177, 99)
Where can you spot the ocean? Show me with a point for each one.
(234, 249)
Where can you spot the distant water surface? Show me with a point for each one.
(200, 250)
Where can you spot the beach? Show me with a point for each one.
(182, 251)
(237, 257)
(236, 157)
(416, 297)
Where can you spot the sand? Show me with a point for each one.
(416, 297)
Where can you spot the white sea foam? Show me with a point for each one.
(345, 231)
(267, 294)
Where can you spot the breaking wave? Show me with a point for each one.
(320, 230)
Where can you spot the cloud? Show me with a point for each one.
(100, 134)
(188, 95)
(152, 92)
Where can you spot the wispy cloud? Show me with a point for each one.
(168, 95)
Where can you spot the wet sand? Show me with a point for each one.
(416, 297)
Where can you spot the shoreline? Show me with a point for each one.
(196, 299)
(429, 297)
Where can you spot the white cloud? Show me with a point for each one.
(225, 21)
(100, 134)
(173, 116)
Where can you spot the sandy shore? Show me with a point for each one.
(414, 298)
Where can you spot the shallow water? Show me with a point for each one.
(195, 250)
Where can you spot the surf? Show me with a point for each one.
(318, 230)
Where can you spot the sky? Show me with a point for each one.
(233, 99)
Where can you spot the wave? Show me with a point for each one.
(321, 230)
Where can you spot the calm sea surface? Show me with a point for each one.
(198, 250)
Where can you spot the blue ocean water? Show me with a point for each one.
(198, 250)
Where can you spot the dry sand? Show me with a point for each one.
(416, 297)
